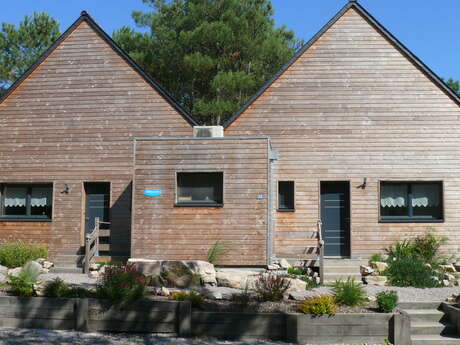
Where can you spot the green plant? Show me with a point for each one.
(311, 282)
(295, 271)
(376, 258)
(412, 271)
(58, 288)
(387, 301)
(271, 287)
(23, 283)
(219, 249)
(318, 305)
(121, 283)
(194, 297)
(349, 292)
(17, 254)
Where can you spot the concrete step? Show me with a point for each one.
(342, 269)
(419, 305)
(332, 277)
(427, 328)
(64, 269)
(426, 339)
(425, 315)
(348, 262)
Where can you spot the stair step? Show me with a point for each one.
(63, 269)
(419, 305)
(427, 328)
(425, 315)
(427, 339)
(342, 269)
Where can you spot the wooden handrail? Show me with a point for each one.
(321, 251)
(92, 244)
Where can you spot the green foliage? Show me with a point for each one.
(271, 287)
(58, 288)
(16, 254)
(453, 84)
(23, 283)
(311, 282)
(295, 271)
(318, 305)
(121, 283)
(21, 46)
(349, 292)
(376, 258)
(387, 301)
(412, 271)
(194, 297)
(219, 249)
(210, 55)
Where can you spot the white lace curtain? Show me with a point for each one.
(423, 195)
(17, 197)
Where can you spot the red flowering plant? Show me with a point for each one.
(122, 283)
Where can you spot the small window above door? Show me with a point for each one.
(286, 199)
(200, 189)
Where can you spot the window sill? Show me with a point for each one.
(285, 210)
(411, 220)
(16, 219)
(198, 204)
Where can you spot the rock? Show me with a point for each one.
(450, 277)
(102, 269)
(177, 274)
(317, 280)
(163, 291)
(39, 289)
(445, 283)
(372, 298)
(221, 293)
(273, 267)
(297, 295)
(366, 270)
(93, 274)
(47, 264)
(284, 264)
(457, 299)
(457, 266)
(236, 278)
(3, 270)
(149, 268)
(45, 270)
(14, 271)
(379, 266)
(94, 266)
(296, 285)
(448, 268)
(376, 280)
(204, 270)
(41, 261)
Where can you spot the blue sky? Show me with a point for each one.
(430, 29)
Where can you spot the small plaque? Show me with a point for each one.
(151, 193)
(260, 197)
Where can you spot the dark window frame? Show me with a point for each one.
(192, 203)
(410, 218)
(286, 209)
(28, 217)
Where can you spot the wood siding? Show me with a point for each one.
(354, 107)
(73, 120)
(163, 231)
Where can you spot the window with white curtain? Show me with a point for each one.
(26, 201)
(411, 201)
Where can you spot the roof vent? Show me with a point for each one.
(208, 132)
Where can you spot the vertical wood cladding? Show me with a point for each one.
(354, 107)
(73, 120)
(163, 231)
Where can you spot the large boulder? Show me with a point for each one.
(296, 285)
(376, 280)
(366, 270)
(448, 268)
(237, 278)
(379, 266)
(176, 273)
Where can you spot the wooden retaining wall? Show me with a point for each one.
(177, 319)
(453, 313)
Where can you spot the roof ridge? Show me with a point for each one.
(379, 27)
(85, 16)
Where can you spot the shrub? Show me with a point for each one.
(410, 271)
(376, 258)
(217, 251)
(121, 283)
(311, 282)
(23, 283)
(17, 254)
(271, 287)
(243, 299)
(295, 271)
(194, 297)
(349, 292)
(58, 288)
(318, 305)
(387, 301)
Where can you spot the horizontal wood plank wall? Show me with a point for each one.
(73, 120)
(163, 231)
(353, 107)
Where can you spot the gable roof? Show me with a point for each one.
(85, 17)
(374, 23)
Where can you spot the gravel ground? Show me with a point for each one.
(406, 294)
(15, 336)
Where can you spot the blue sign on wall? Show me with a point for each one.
(152, 192)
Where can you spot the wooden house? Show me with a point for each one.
(354, 136)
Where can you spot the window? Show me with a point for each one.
(26, 201)
(411, 201)
(286, 196)
(200, 188)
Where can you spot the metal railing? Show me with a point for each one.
(92, 244)
(321, 251)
